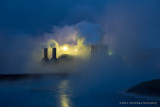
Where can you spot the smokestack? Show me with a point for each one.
(45, 58)
(54, 53)
(54, 58)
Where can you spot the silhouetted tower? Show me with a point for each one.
(54, 56)
(45, 58)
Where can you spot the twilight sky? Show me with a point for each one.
(36, 16)
(128, 26)
(33, 16)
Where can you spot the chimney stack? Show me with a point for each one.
(54, 58)
(45, 58)
(54, 53)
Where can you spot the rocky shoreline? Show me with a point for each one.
(147, 88)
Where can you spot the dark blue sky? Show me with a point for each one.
(34, 15)
(38, 16)
(129, 25)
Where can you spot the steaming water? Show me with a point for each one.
(67, 92)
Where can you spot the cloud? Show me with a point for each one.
(127, 30)
(91, 32)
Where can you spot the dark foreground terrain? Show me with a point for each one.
(62, 90)
(16, 77)
(148, 88)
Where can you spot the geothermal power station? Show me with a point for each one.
(95, 51)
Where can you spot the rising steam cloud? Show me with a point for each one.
(91, 32)
(129, 32)
(77, 38)
(130, 28)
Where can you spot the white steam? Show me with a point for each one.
(91, 32)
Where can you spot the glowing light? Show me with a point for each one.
(64, 97)
(65, 48)
(64, 101)
(76, 50)
(110, 53)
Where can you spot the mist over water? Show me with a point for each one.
(131, 30)
(94, 83)
(131, 33)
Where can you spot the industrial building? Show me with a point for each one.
(95, 51)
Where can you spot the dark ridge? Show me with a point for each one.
(14, 77)
(148, 88)
(66, 58)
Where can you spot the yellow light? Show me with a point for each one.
(65, 48)
(78, 49)
(75, 50)
(110, 53)
(64, 97)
